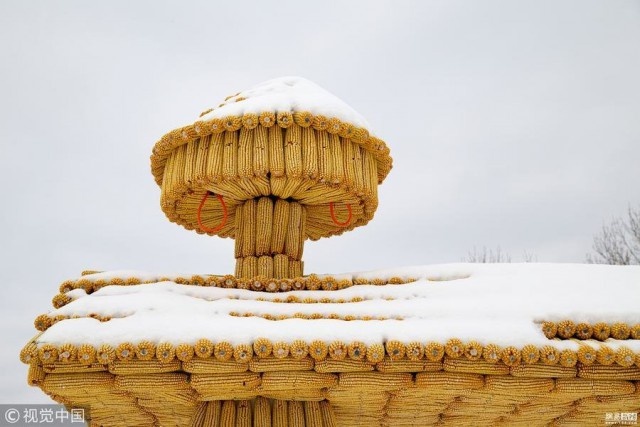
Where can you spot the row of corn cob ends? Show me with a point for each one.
(311, 282)
(318, 350)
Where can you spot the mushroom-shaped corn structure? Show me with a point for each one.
(272, 166)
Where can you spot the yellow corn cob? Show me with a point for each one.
(541, 370)
(221, 383)
(296, 268)
(625, 357)
(280, 413)
(325, 170)
(125, 351)
(454, 348)
(276, 152)
(395, 350)
(184, 352)
(190, 160)
(333, 366)
(281, 365)
(568, 358)
(375, 381)
(239, 221)
(313, 414)
(264, 226)
(294, 241)
(491, 353)
(375, 353)
(243, 353)
(67, 353)
(243, 414)
(203, 348)
(318, 350)
(337, 160)
(228, 414)
(230, 156)
(86, 354)
(249, 211)
(370, 177)
(601, 331)
(328, 415)
(584, 387)
(280, 225)
(566, 329)
(245, 153)
(250, 267)
(549, 355)
(296, 414)
(143, 367)
(281, 266)
(507, 385)
(448, 383)
(511, 356)
(213, 366)
(165, 352)
(293, 151)
(265, 266)
(212, 414)
(200, 165)
(475, 367)
(223, 351)
(389, 365)
(583, 331)
(605, 355)
(150, 383)
(260, 151)
(549, 329)
(309, 153)
(620, 331)
(197, 419)
(609, 373)
(261, 416)
(239, 270)
(35, 375)
(337, 350)
(61, 383)
(301, 380)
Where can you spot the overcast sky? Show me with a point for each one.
(511, 123)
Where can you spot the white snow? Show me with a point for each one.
(288, 94)
(491, 303)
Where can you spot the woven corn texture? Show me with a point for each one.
(288, 391)
(310, 165)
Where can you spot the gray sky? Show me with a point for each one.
(511, 123)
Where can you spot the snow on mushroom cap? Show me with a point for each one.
(287, 94)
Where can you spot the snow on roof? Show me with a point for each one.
(501, 304)
(287, 94)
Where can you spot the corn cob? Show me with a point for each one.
(280, 225)
(296, 414)
(228, 414)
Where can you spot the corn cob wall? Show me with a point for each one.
(278, 179)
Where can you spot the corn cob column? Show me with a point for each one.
(269, 238)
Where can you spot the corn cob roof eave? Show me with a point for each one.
(272, 102)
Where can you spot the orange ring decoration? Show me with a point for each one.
(335, 220)
(224, 214)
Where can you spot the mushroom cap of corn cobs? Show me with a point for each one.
(272, 166)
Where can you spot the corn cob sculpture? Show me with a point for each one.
(271, 167)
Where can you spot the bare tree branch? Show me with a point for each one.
(618, 242)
